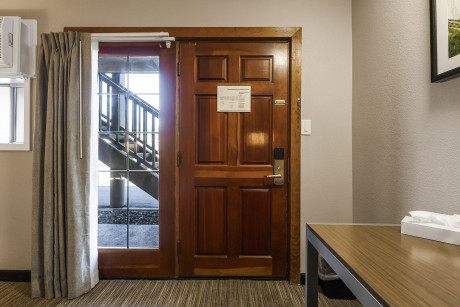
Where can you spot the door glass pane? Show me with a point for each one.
(143, 210)
(114, 111)
(129, 151)
(112, 150)
(144, 151)
(113, 64)
(144, 64)
(143, 83)
(112, 208)
(152, 99)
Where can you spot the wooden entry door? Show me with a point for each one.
(233, 219)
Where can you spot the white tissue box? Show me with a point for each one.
(430, 231)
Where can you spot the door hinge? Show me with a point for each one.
(178, 247)
(288, 171)
(178, 68)
(179, 158)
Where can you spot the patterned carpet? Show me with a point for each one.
(130, 293)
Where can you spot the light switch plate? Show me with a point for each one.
(306, 127)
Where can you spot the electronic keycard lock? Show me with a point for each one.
(278, 166)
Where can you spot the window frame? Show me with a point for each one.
(24, 146)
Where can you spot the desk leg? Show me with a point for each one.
(311, 276)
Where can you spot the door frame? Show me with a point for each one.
(293, 35)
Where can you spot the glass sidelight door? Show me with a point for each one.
(136, 130)
(129, 151)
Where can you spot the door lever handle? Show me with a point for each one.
(274, 176)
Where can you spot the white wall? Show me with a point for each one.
(406, 131)
(326, 94)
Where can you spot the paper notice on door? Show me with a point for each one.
(233, 99)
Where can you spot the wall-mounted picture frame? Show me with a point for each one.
(445, 39)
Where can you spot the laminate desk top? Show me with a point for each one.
(396, 269)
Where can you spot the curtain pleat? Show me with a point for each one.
(63, 262)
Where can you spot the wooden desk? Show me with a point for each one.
(383, 267)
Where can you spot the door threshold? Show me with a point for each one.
(232, 278)
(262, 278)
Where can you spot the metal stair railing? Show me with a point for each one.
(142, 119)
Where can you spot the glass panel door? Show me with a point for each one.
(129, 151)
(136, 205)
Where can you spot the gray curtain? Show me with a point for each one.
(64, 247)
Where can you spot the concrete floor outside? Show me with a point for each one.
(143, 220)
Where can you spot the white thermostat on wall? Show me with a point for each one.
(18, 42)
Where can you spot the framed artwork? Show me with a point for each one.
(445, 39)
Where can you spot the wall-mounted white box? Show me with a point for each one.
(18, 40)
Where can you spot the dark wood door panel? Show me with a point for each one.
(256, 68)
(211, 68)
(256, 132)
(242, 231)
(211, 220)
(211, 131)
(256, 225)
